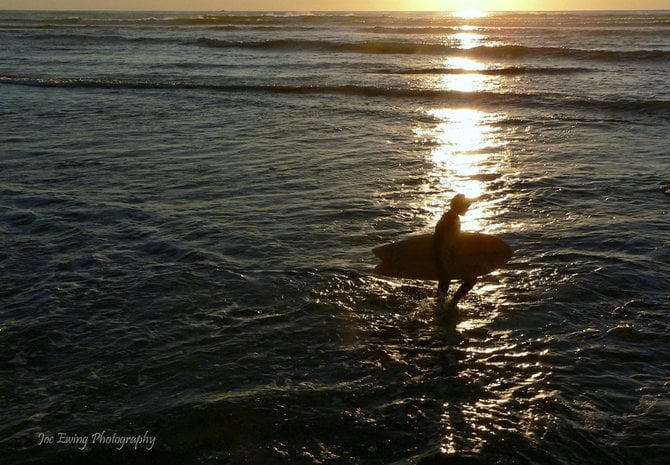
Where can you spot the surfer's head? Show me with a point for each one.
(460, 204)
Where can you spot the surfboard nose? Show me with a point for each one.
(498, 255)
(503, 254)
(508, 252)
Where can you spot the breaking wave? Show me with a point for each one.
(506, 71)
(413, 48)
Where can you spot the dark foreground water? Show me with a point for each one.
(188, 204)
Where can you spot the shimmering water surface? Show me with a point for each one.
(187, 208)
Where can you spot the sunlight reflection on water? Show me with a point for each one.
(468, 155)
(511, 382)
(467, 64)
(465, 82)
(468, 40)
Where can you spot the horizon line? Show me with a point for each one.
(336, 11)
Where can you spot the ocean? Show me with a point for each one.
(188, 204)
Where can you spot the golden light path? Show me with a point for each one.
(469, 155)
(470, 14)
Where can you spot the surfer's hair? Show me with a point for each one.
(460, 203)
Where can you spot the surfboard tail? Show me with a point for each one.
(407, 270)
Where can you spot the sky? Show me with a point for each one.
(337, 5)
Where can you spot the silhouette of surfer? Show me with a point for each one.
(445, 255)
(447, 231)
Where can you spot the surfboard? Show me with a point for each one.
(475, 254)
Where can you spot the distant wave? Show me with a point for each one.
(98, 39)
(412, 30)
(259, 19)
(507, 71)
(405, 22)
(370, 47)
(403, 48)
(455, 97)
(651, 30)
(24, 20)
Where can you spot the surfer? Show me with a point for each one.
(446, 231)
(445, 254)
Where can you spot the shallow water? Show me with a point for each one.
(187, 225)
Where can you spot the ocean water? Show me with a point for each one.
(188, 203)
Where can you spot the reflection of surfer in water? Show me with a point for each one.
(447, 231)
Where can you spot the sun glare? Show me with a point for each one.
(467, 153)
(469, 14)
(467, 64)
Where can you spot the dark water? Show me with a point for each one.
(187, 208)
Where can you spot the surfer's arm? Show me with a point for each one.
(446, 231)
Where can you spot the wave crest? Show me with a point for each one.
(412, 48)
(425, 95)
(506, 71)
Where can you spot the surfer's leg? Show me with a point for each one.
(462, 290)
(444, 280)
(443, 285)
(442, 291)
